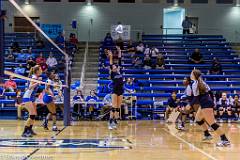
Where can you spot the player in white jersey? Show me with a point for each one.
(48, 99)
(28, 101)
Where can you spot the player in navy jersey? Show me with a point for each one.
(48, 99)
(28, 101)
(205, 112)
(117, 94)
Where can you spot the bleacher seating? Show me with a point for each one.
(157, 84)
(24, 40)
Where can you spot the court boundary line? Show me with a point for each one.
(191, 145)
(36, 150)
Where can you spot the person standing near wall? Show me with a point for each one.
(186, 25)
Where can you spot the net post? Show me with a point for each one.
(67, 103)
(1, 43)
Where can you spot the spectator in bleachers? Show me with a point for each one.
(186, 25)
(154, 52)
(73, 39)
(61, 64)
(140, 48)
(60, 40)
(120, 43)
(147, 63)
(15, 47)
(137, 62)
(107, 100)
(41, 61)
(216, 67)
(160, 61)
(131, 49)
(10, 57)
(20, 70)
(108, 40)
(2, 90)
(21, 57)
(10, 85)
(224, 107)
(30, 63)
(147, 51)
(19, 104)
(51, 62)
(92, 107)
(235, 103)
(173, 102)
(40, 44)
(196, 57)
(78, 110)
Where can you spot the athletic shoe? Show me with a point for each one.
(114, 125)
(54, 128)
(229, 121)
(191, 122)
(223, 143)
(207, 138)
(32, 132)
(110, 126)
(26, 135)
(221, 121)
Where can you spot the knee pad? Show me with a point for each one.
(117, 109)
(215, 126)
(113, 110)
(32, 117)
(200, 122)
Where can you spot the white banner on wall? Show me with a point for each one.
(125, 35)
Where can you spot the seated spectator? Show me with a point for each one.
(120, 43)
(147, 51)
(160, 61)
(42, 62)
(19, 104)
(73, 39)
(235, 103)
(147, 63)
(20, 70)
(108, 40)
(10, 57)
(140, 48)
(131, 49)
(10, 85)
(51, 62)
(216, 67)
(154, 52)
(15, 47)
(224, 107)
(92, 107)
(173, 103)
(60, 40)
(196, 57)
(40, 44)
(21, 57)
(30, 63)
(2, 90)
(137, 62)
(107, 100)
(78, 110)
(61, 64)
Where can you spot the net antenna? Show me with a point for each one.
(67, 62)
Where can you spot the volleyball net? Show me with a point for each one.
(30, 41)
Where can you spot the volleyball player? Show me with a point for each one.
(48, 100)
(117, 95)
(205, 112)
(28, 101)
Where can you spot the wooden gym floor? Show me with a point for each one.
(134, 140)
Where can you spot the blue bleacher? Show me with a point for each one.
(176, 49)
